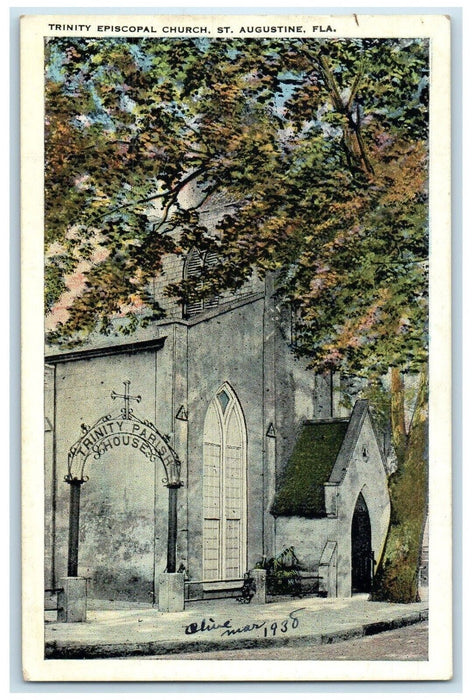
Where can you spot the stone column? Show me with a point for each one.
(172, 529)
(269, 420)
(328, 570)
(74, 517)
(171, 592)
(323, 395)
(72, 600)
(260, 579)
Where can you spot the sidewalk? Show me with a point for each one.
(225, 624)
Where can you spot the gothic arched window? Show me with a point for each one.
(224, 488)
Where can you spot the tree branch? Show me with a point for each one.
(160, 195)
(355, 87)
(345, 110)
(332, 84)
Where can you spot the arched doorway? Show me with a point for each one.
(361, 548)
(105, 436)
(224, 488)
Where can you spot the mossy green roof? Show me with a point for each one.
(300, 490)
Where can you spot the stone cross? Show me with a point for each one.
(127, 398)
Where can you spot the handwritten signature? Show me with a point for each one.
(227, 628)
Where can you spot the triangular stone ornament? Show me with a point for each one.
(270, 431)
(182, 413)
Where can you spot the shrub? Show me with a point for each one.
(283, 573)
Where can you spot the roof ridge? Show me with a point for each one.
(356, 421)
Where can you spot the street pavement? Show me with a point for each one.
(403, 644)
(222, 625)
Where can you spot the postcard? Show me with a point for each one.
(236, 347)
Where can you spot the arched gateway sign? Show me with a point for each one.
(109, 433)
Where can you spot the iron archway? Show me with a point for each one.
(108, 432)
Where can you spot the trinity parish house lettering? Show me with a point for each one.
(121, 432)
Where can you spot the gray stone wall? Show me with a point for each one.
(308, 536)
(49, 479)
(226, 348)
(172, 268)
(117, 525)
(123, 526)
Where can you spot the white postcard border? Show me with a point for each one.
(439, 665)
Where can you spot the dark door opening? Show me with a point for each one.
(361, 548)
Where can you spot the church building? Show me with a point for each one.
(267, 456)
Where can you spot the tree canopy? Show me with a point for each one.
(318, 147)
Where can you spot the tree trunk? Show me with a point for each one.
(397, 413)
(396, 579)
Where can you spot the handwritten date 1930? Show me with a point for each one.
(227, 629)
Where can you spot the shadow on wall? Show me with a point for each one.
(126, 585)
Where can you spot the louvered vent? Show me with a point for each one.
(211, 259)
(195, 267)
